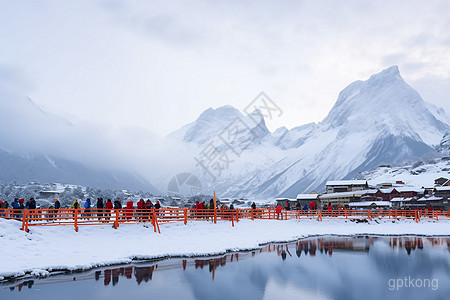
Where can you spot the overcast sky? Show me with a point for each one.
(159, 64)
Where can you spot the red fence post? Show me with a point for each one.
(76, 220)
(155, 222)
(185, 216)
(24, 220)
(116, 221)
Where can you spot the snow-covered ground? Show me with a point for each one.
(417, 175)
(47, 249)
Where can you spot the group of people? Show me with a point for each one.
(104, 207)
(88, 209)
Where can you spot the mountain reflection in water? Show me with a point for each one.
(325, 264)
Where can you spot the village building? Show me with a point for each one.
(370, 205)
(308, 199)
(432, 201)
(441, 181)
(49, 194)
(343, 199)
(340, 186)
(442, 192)
(283, 201)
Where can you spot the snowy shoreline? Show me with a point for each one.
(47, 250)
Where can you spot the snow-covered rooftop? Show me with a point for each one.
(348, 194)
(308, 196)
(443, 188)
(432, 198)
(369, 203)
(346, 182)
(401, 199)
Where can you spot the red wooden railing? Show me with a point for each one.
(116, 217)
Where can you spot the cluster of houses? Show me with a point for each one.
(358, 194)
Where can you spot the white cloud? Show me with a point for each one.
(159, 64)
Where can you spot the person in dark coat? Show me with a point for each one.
(32, 204)
(55, 208)
(147, 206)
(157, 207)
(253, 209)
(117, 204)
(99, 208)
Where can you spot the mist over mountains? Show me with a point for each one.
(381, 120)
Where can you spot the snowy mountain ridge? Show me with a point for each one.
(381, 120)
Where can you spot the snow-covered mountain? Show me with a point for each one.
(212, 122)
(39, 146)
(444, 146)
(378, 121)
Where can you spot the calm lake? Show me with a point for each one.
(316, 268)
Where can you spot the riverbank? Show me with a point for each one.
(46, 249)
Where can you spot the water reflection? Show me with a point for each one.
(389, 256)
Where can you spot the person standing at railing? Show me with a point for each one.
(75, 206)
(99, 208)
(253, 206)
(211, 209)
(87, 208)
(21, 207)
(278, 211)
(109, 207)
(157, 207)
(117, 204)
(15, 206)
(140, 207)
(32, 207)
(148, 206)
(129, 210)
(197, 207)
(56, 207)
